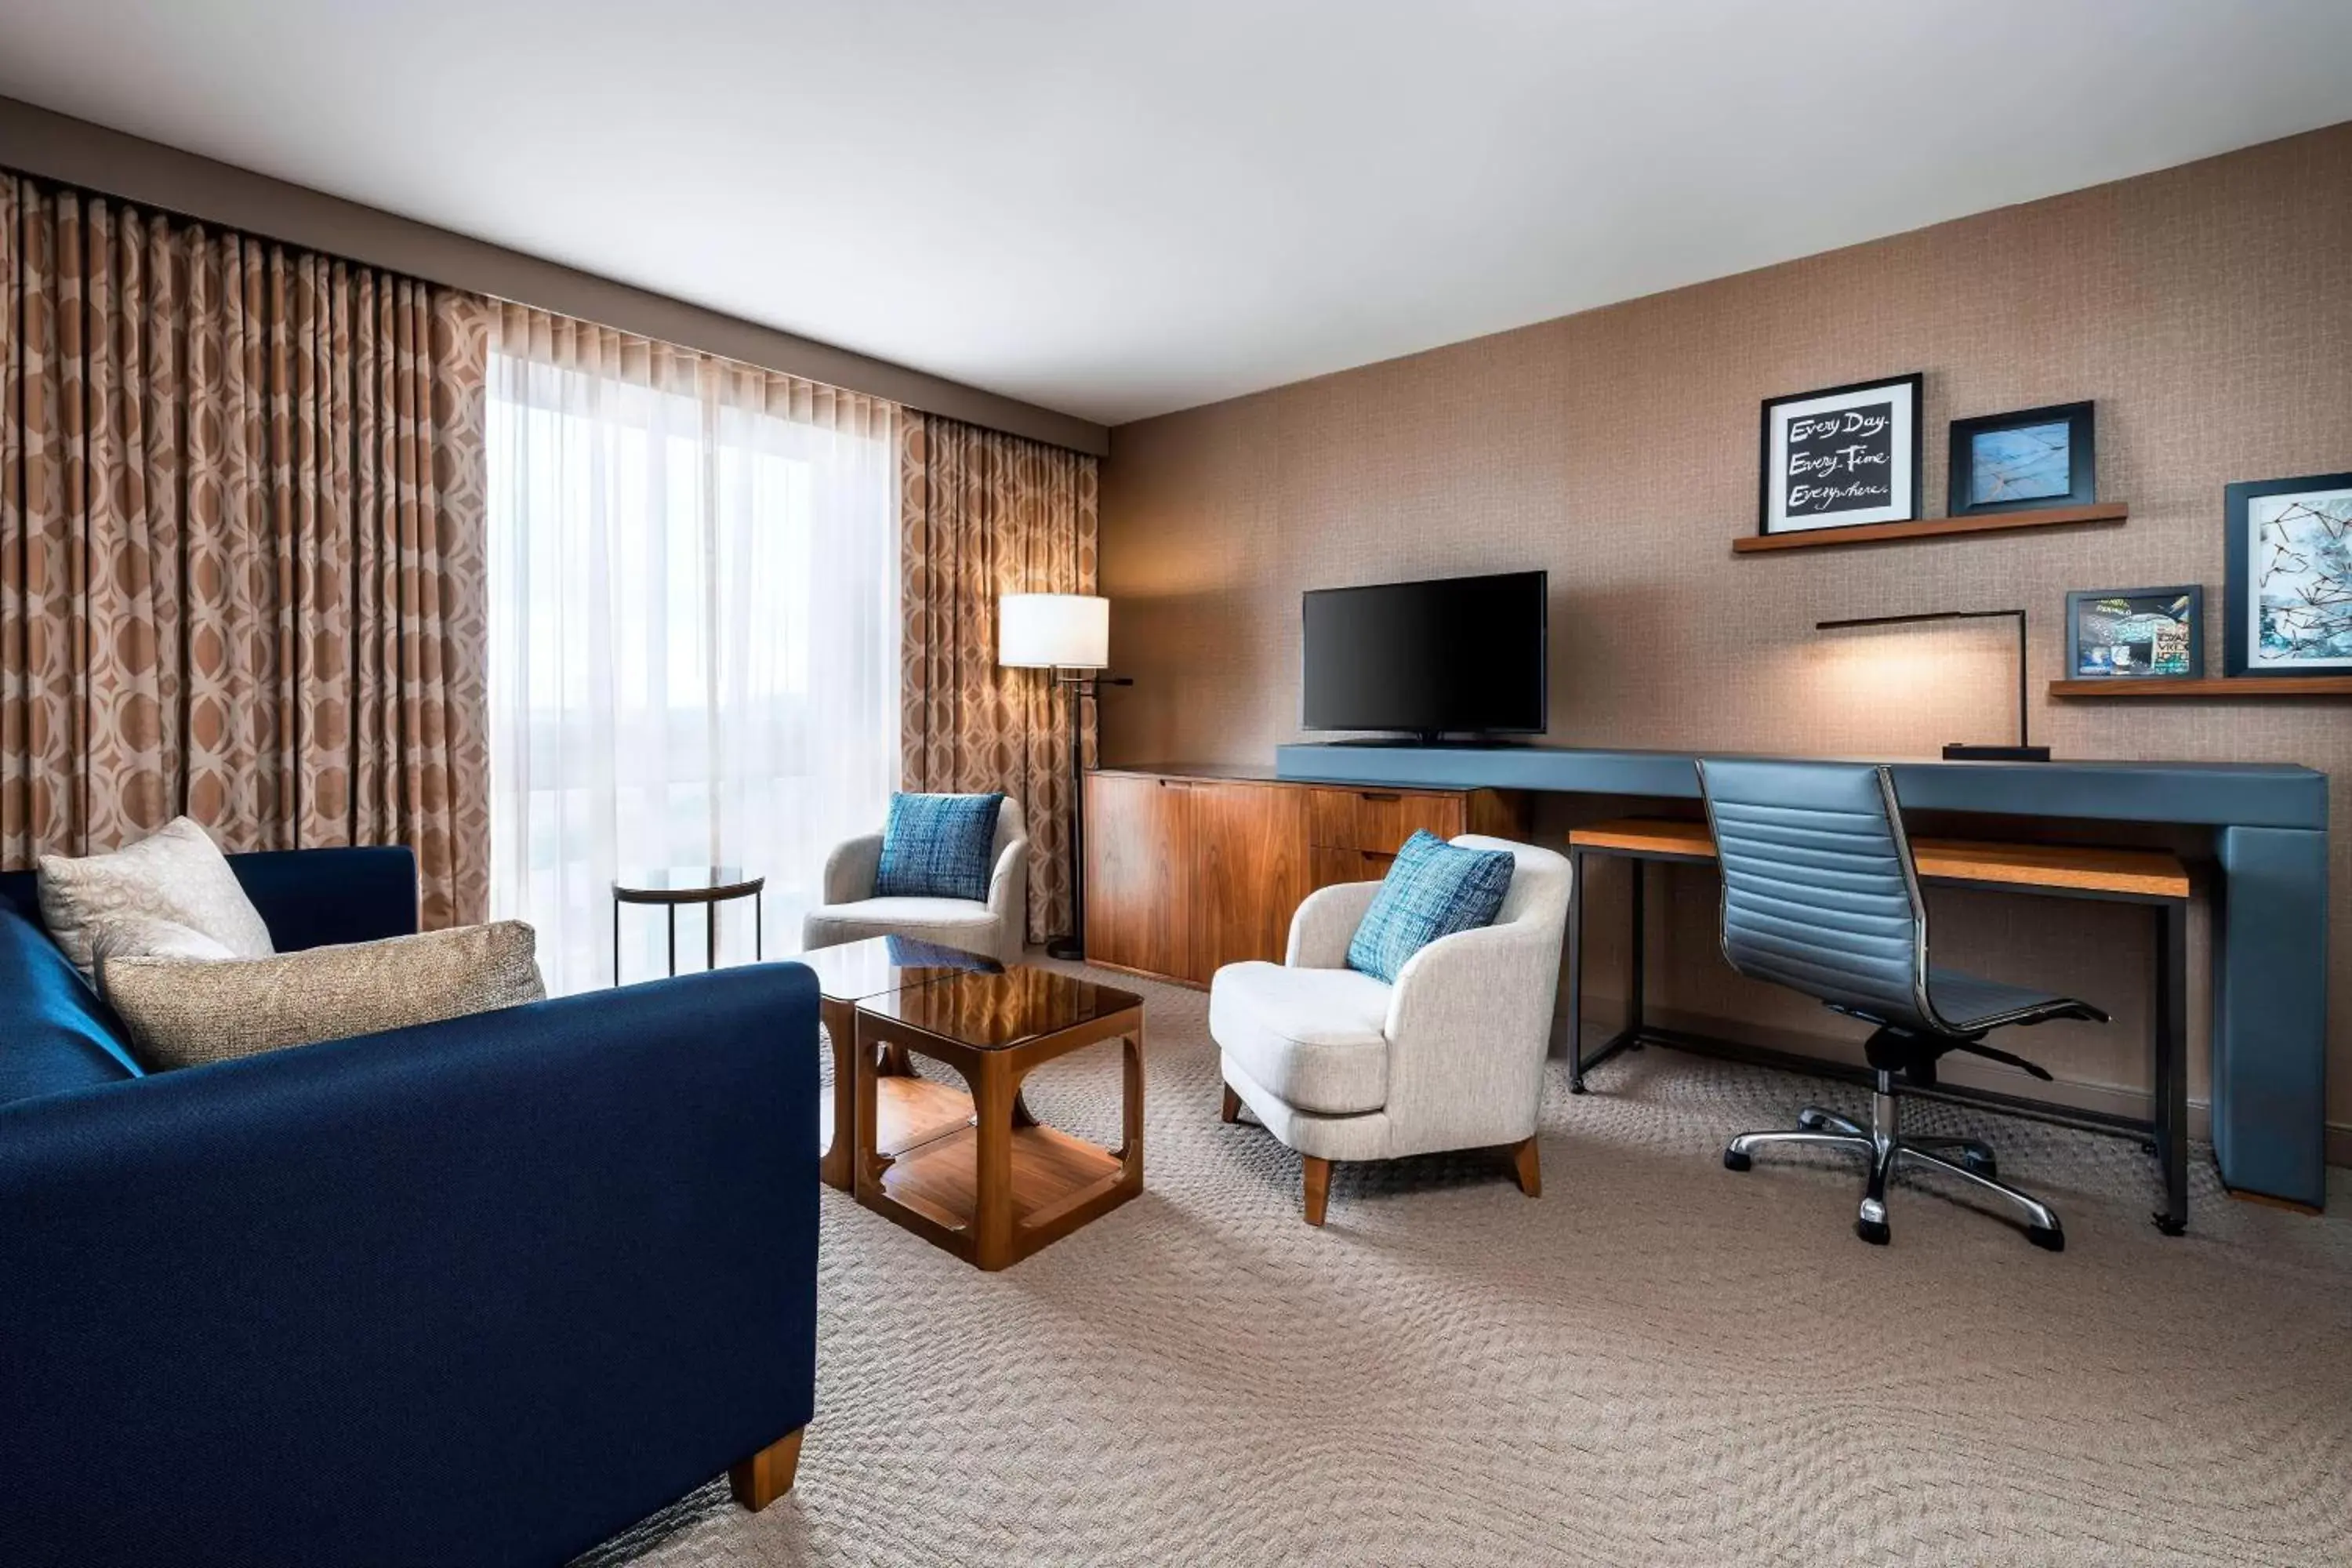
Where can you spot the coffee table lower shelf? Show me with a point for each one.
(908, 1112)
(1054, 1175)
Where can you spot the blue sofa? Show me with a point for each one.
(483, 1292)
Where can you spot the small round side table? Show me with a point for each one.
(709, 886)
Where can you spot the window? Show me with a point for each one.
(694, 638)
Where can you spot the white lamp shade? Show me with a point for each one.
(1042, 631)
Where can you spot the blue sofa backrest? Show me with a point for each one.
(55, 1034)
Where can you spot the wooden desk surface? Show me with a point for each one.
(2140, 873)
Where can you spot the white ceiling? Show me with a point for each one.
(1115, 209)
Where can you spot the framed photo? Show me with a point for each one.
(2289, 610)
(1841, 457)
(2135, 633)
(2021, 462)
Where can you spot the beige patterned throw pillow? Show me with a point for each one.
(185, 1014)
(175, 874)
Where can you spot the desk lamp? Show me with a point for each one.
(1956, 752)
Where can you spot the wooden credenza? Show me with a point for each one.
(1191, 868)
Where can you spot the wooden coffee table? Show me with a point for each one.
(907, 1109)
(1002, 1187)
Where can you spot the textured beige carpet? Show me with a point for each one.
(1658, 1360)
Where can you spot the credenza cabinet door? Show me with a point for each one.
(1186, 874)
(1250, 869)
(1139, 872)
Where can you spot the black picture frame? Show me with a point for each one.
(2241, 519)
(2082, 459)
(2078, 667)
(1905, 396)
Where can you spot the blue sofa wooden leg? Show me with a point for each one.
(768, 1474)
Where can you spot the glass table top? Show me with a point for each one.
(993, 1012)
(878, 966)
(684, 882)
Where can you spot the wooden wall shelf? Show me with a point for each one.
(2209, 687)
(1932, 528)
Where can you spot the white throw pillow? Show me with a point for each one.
(182, 1014)
(177, 875)
(144, 936)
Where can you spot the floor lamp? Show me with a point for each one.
(1067, 635)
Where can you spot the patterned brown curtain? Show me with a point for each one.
(241, 524)
(983, 514)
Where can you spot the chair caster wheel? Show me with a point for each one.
(1733, 1160)
(1873, 1231)
(1812, 1121)
(1576, 1087)
(1984, 1166)
(2047, 1240)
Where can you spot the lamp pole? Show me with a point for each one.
(1083, 683)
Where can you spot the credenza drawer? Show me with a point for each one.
(1378, 820)
(1328, 868)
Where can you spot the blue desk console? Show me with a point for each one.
(2268, 830)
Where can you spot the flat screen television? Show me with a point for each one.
(1453, 656)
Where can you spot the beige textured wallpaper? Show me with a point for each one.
(2207, 309)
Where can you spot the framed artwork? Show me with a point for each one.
(1841, 457)
(2021, 462)
(2135, 633)
(2289, 610)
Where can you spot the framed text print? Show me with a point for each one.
(2290, 577)
(1841, 457)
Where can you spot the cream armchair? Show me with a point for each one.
(995, 928)
(1341, 1066)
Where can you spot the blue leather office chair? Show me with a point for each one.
(1820, 895)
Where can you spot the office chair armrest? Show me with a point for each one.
(850, 870)
(1325, 924)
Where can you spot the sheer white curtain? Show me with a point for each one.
(694, 636)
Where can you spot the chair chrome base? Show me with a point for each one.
(1882, 1144)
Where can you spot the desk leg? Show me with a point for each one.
(711, 940)
(616, 941)
(672, 939)
(2172, 1063)
(2270, 1012)
(1634, 988)
(1575, 970)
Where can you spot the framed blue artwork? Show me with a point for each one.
(2024, 461)
(2289, 558)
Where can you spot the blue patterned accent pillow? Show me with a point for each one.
(938, 847)
(1433, 889)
